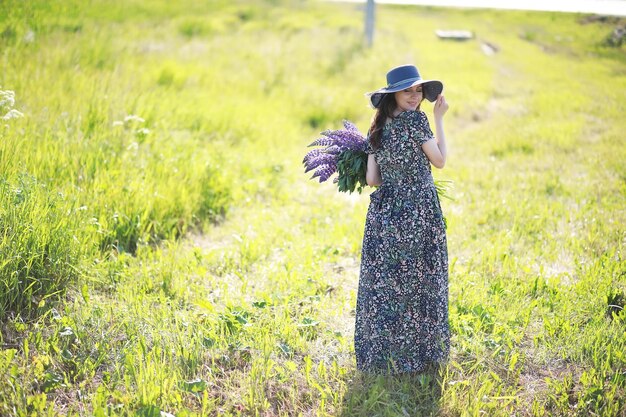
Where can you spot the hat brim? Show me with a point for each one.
(430, 88)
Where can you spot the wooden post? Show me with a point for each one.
(369, 23)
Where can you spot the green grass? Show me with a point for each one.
(162, 250)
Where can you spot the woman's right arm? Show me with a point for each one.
(436, 150)
(372, 175)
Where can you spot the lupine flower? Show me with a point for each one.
(321, 159)
(347, 138)
(324, 172)
(343, 152)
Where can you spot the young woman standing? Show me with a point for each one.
(402, 302)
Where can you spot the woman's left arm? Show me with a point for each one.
(372, 174)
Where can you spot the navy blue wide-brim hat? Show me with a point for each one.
(404, 77)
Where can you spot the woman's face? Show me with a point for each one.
(409, 98)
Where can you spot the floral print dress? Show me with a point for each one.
(402, 302)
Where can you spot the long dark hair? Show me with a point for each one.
(385, 110)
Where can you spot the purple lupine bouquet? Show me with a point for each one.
(342, 152)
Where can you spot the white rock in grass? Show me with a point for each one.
(457, 35)
(13, 114)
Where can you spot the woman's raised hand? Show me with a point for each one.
(441, 106)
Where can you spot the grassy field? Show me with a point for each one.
(161, 250)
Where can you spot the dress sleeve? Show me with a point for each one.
(418, 128)
(369, 149)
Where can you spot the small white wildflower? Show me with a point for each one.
(133, 118)
(7, 98)
(118, 123)
(142, 132)
(29, 37)
(13, 114)
(132, 147)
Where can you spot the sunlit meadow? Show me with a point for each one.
(163, 253)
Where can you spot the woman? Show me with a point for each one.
(402, 302)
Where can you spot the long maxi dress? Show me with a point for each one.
(402, 301)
